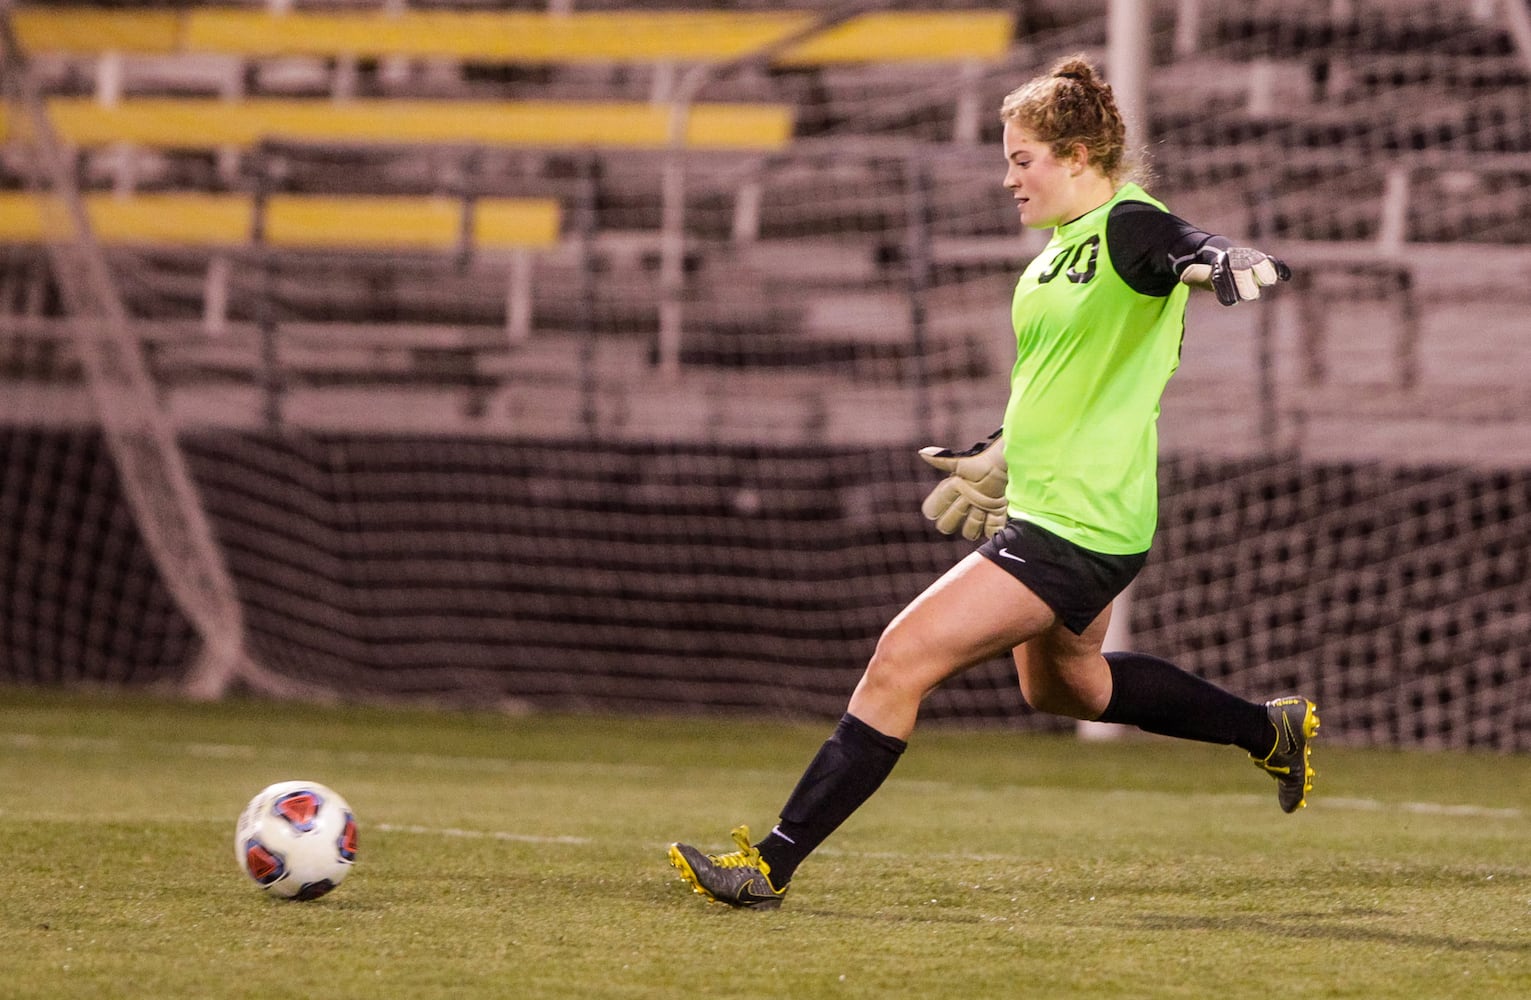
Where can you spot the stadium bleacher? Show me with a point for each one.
(1298, 127)
(151, 124)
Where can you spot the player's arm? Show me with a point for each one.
(1153, 250)
(971, 498)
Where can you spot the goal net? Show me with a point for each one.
(85, 622)
(665, 460)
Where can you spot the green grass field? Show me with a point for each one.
(524, 857)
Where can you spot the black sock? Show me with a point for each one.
(1159, 697)
(848, 768)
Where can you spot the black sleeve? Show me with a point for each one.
(1149, 247)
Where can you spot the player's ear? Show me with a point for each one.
(1077, 158)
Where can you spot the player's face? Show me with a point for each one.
(1043, 186)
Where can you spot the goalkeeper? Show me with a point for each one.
(1066, 493)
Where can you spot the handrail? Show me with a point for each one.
(673, 181)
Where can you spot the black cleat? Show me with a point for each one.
(739, 878)
(1296, 722)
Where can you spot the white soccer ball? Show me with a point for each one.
(296, 839)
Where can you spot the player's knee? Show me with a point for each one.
(885, 675)
(898, 668)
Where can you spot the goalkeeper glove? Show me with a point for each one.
(1234, 273)
(972, 496)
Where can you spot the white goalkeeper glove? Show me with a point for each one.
(972, 496)
(1235, 273)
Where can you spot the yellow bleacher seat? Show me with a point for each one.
(511, 222)
(182, 219)
(490, 37)
(528, 37)
(908, 37)
(81, 31)
(206, 123)
(407, 223)
(294, 221)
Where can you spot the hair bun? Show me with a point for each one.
(1074, 68)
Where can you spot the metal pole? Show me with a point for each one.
(917, 185)
(271, 378)
(672, 236)
(584, 311)
(1265, 373)
(1118, 639)
(1127, 42)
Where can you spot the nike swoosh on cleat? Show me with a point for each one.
(748, 891)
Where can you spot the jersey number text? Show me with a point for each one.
(1087, 251)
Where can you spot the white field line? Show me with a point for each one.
(236, 751)
(111, 746)
(460, 834)
(1421, 808)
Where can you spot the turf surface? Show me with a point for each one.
(524, 857)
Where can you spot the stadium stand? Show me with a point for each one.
(1338, 130)
(148, 138)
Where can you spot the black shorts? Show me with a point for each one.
(1075, 582)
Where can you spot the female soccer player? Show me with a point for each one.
(1098, 319)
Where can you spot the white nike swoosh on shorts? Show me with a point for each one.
(1006, 553)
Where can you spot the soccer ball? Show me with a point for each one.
(296, 840)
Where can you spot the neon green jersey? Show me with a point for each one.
(1092, 358)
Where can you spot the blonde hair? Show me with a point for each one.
(1071, 105)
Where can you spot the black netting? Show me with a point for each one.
(646, 577)
(82, 600)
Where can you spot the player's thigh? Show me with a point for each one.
(1059, 669)
(974, 612)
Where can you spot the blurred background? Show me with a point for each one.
(573, 355)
